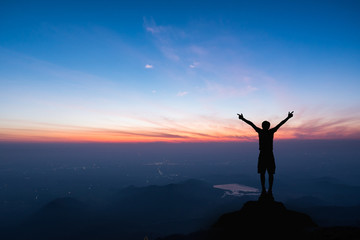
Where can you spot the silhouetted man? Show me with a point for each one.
(266, 160)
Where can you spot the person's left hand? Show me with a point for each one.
(241, 116)
(290, 114)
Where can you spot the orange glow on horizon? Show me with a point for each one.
(104, 136)
(216, 130)
(176, 136)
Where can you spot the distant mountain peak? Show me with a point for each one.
(64, 203)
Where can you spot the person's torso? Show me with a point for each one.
(266, 138)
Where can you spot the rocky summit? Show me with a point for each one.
(263, 219)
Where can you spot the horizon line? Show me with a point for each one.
(171, 141)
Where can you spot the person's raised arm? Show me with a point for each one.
(241, 117)
(290, 115)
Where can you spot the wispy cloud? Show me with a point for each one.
(198, 50)
(344, 127)
(149, 66)
(170, 53)
(151, 26)
(153, 30)
(183, 93)
(229, 90)
(194, 65)
(164, 37)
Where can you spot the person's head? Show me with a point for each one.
(265, 125)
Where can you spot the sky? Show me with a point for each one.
(178, 71)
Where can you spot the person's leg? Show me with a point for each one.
(262, 179)
(271, 171)
(271, 181)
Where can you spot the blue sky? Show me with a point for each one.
(163, 71)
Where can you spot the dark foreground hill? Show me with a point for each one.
(267, 220)
(154, 211)
(132, 213)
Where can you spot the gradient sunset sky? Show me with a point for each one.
(125, 71)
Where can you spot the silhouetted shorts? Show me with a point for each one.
(266, 162)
